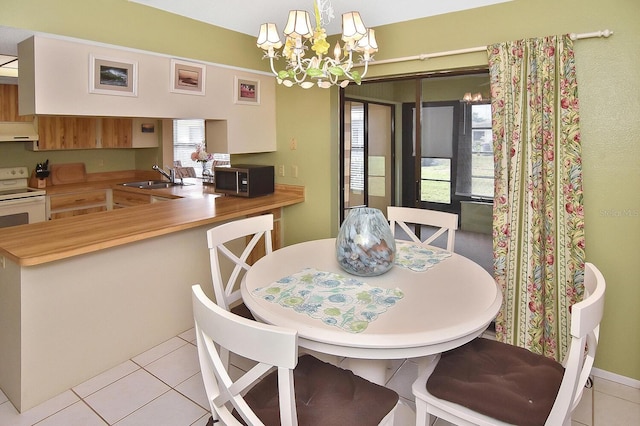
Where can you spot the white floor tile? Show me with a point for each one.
(9, 416)
(189, 335)
(403, 378)
(159, 351)
(583, 412)
(170, 409)
(617, 390)
(612, 411)
(78, 414)
(104, 379)
(193, 388)
(177, 366)
(125, 396)
(202, 421)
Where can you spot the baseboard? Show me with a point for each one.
(623, 380)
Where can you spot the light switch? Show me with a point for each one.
(294, 171)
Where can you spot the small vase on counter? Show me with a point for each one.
(365, 245)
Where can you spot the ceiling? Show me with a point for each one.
(245, 16)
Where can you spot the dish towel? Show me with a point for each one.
(418, 258)
(335, 299)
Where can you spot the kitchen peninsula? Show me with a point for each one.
(80, 295)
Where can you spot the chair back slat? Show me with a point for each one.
(221, 238)
(444, 222)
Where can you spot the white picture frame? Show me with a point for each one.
(246, 91)
(188, 77)
(111, 76)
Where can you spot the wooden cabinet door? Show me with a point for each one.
(61, 132)
(51, 132)
(84, 132)
(117, 132)
(9, 104)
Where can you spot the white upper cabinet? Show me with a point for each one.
(61, 77)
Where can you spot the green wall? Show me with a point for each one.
(609, 85)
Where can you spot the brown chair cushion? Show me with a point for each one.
(325, 395)
(242, 311)
(506, 382)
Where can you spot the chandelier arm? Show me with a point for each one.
(273, 68)
(366, 68)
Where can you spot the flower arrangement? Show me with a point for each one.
(201, 155)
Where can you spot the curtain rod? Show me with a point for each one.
(424, 56)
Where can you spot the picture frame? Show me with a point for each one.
(246, 91)
(147, 128)
(188, 77)
(110, 76)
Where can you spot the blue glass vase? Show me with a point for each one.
(365, 245)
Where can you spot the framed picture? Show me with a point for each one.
(187, 77)
(148, 128)
(247, 91)
(110, 76)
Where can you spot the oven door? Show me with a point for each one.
(21, 211)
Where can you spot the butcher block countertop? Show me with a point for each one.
(195, 205)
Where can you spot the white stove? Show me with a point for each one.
(19, 204)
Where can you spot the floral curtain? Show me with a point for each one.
(538, 225)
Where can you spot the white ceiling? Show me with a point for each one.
(245, 16)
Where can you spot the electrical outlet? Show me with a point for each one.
(294, 171)
(293, 145)
(281, 170)
(2, 262)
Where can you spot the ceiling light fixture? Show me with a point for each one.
(325, 70)
(468, 97)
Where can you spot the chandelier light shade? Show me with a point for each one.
(298, 24)
(268, 37)
(305, 48)
(353, 28)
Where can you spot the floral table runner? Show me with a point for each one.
(418, 258)
(335, 299)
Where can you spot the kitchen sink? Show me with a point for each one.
(152, 184)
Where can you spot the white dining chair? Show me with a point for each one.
(220, 241)
(280, 389)
(486, 382)
(442, 221)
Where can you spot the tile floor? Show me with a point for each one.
(163, 387)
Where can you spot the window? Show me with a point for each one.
(357, 147)
(475, 153)
(438, 132)
(187, 135)
(436, 180)
(481, 151)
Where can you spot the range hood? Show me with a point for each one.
(18, 131)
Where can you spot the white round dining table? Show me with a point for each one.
(443, 307)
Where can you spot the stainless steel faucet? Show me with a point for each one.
(171, 175)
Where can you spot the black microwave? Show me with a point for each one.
(244, 180)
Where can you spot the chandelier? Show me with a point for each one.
(304, 67)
